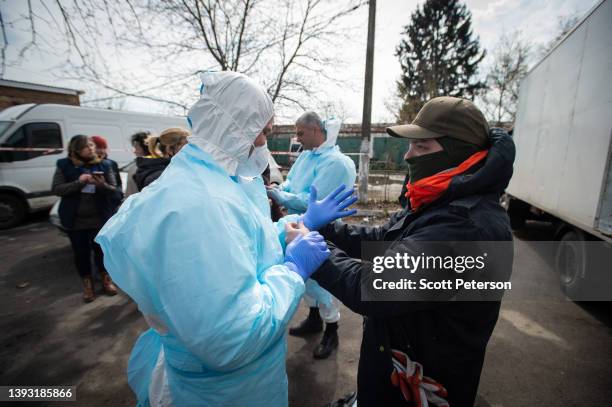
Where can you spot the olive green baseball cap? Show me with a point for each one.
(446, 116)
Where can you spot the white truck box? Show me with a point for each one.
(563, 129)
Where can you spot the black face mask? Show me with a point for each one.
(454, 153)
(426, 165)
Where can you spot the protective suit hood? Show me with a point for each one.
(231, 112)
(332, 130)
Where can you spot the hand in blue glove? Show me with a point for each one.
(273, 193)
(320, 213)
(306, 253)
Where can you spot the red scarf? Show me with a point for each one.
(429, 189)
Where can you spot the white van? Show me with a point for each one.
(34, 136)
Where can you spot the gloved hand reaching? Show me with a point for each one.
(320, 213)
(274, 193)
(306, 253)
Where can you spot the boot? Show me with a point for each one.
(349, 400)
(88, 291)
(329, 342)
(109, 287)
(312, 324)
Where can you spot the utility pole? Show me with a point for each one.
(366, 120)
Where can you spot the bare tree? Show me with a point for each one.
(511, 58)
(333, 108)
(510, 64)
(4, 46)
(287, 45)
(393, 104)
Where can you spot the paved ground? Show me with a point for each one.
(550, 352)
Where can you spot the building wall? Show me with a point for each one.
(10, 96)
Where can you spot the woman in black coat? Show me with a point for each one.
(161, 148)
(89, 197)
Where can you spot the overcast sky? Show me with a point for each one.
(536, 20)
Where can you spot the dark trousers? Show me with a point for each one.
(82, 245)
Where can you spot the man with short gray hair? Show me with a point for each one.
(322, 166)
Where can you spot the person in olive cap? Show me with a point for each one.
(458, 170)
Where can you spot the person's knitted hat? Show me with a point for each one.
(100, 142)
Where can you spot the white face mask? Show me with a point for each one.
(255, 164)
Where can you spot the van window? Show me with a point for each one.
(3, 126)
(33, 135)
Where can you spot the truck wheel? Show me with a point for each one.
(571, 263)
(517, 211)
(12, 211)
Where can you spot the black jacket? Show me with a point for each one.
(448, 338)
(107, 198)
(115, 168)
(149, 169)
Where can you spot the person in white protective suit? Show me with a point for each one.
(198, 253)
(323, 166)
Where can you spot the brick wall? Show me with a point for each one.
(10, 96)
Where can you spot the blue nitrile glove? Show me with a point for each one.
(274, 193)
(320, 213)
(306, 253)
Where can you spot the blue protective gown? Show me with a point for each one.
(325, 168)
(205, 267)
